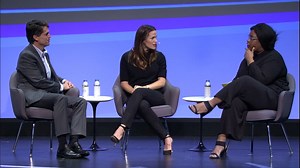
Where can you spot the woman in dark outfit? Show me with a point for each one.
(257, 85)
(143, 76)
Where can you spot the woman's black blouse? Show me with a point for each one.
(269, 68)
(137, 76)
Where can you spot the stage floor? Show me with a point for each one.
(144, 152)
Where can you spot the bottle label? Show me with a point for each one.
(206, 91)
(96, 91)
(85, 88)
(97, 88)
(85, 91)
(207, 88)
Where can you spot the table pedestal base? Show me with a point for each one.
(199, 99)
(94, 101)
(95, 147)
(200, 148)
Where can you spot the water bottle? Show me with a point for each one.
(207, 87)
(85, 88)
(97, 88)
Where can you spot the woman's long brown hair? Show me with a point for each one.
(138, 55)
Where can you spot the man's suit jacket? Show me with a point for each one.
(32, 78)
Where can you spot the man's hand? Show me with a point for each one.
(68, 85)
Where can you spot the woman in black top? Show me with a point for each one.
(143, 76)
(257, 85)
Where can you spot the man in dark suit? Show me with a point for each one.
(42, 87)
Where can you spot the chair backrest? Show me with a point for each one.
(17, 97)
(171, 94)
(285, 101)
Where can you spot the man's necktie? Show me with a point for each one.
(47, 67)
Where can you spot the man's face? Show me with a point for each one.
(44, 39)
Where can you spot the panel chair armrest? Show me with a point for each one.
(171, 95)
(17, 98)
(285, 101)
(18, 103)
(119, 97)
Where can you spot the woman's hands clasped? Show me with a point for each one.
(138, 86)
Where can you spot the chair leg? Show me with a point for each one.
(252, 133)
(32, 136)
(286, 138)
(17, 138)
(159, 143)
(269, 140)
(51, 134)
(124, 142)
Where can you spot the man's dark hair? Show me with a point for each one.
(34, 27)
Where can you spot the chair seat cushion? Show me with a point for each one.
(39, 113)
(261, 115)
(162, 110)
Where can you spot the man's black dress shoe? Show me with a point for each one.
(76, 147)
(67, 153)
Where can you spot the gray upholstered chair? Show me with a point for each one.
(171, 95)
(30, 114)
(278, 116)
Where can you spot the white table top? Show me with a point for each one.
(196, 98)
(97, 98)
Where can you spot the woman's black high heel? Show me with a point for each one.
(168, 152)
(194, 109)
(223, 152)
(114, 138)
